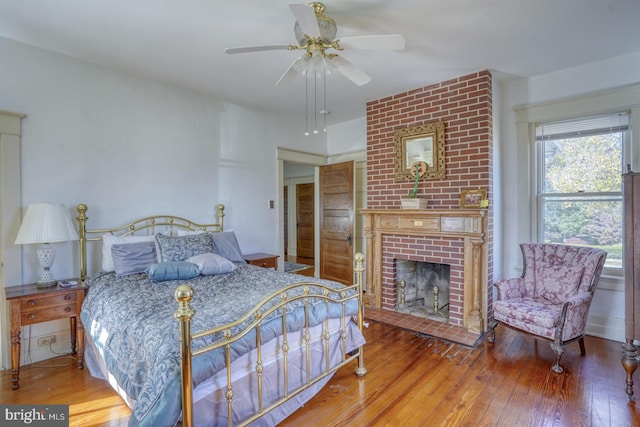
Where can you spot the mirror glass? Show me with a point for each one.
(417, 150)
(423, 143)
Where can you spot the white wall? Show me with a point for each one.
(347, 137)
(130, 147)
(606, 317)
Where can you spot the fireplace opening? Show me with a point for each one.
(422, 289)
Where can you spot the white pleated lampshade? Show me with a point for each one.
(46, 223)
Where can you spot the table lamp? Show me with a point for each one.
(46, 223)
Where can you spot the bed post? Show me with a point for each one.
(184, 313)
(82, 234)
(220, 210)
(359, 269)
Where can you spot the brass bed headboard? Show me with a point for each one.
(151, 224)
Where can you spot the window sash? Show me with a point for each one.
(577, 128)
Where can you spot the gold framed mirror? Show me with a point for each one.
(423, 143)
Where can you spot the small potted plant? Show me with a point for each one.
(412, 201)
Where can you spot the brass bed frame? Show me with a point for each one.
(184, 313)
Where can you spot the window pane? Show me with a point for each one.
(583, 164)
(589, 221)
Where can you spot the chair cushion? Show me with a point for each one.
(534, 315)
(557, 282)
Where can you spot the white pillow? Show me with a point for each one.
(210, 264)
(108, 240)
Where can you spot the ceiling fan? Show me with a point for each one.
(315, 33)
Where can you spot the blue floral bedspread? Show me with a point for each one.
(131, 320)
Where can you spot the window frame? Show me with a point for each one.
(541, 196)
(607, 102)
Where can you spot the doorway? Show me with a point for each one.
(298, 216)
(291, 165)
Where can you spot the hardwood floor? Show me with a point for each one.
(412, 380)
(92, 402)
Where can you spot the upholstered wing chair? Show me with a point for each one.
(551, 299)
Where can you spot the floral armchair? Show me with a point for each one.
(552, 298)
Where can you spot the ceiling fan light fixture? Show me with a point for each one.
(316, 35)
(308, 65)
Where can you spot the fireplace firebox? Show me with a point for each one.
(422, 289)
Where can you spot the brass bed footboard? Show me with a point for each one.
(310, 292)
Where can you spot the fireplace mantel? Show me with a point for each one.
(467, 225)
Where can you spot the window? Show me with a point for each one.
(579, 186)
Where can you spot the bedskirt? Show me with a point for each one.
(210, 406)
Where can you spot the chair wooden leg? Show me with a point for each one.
(582, 350)
(491, 333)
(558, 350)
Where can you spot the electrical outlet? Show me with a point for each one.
(46, 341)
(272, 204)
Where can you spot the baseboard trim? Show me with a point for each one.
(611, 328)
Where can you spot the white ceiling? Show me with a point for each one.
(183, 42)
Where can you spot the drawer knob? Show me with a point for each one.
(67, 309)
(67, 297)
(32, 316)
(31, 303)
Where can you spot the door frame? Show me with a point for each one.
(285, 155)
(290, 156)
(10, 217)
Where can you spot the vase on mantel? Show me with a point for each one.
(413, 203)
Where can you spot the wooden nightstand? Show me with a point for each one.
(30, 305)
(262, 260)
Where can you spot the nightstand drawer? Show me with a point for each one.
(265, 262)
(46, 314)
(46, 301)
(262, 260)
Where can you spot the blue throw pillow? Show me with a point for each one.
(174, 270)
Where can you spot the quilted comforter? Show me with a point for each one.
(131, 321)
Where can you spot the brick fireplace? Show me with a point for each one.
(443, 232)
(454, 237)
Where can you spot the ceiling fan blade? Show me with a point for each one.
(386, 42)
(306, 17)
(232, 50)
(290, 74)
(350, 71)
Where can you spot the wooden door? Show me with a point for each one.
(337, 222)
(305, 240)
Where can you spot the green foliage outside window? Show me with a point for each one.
(581, 197)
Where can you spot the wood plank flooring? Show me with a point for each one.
(412, 380)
